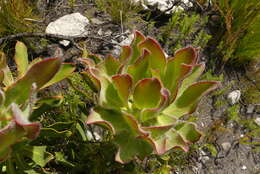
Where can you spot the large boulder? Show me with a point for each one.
(69, 25)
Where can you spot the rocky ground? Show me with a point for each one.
(227, 146)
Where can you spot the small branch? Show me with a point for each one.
(53, 36)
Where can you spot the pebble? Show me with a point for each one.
(250, 109)
(257, 121)
(226, 146)
(243, 167)
(233, 97)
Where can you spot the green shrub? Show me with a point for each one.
(14, 15)
(240, 41)
(142, 96)
(183, 29)
(119, 11)
(17, 102)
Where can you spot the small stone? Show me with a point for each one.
(233, 97)
(128, 40)
(257, 121)
(90, 136)
(108, 32)
(226, 146)
(250, 109)
(243, 167)
(64, 43)
(100, 32)
(242, 135)
(96, 21)
(203, 156)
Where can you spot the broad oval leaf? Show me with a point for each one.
(147, 93)
(65, 70)
(123, 84)
(40, 73)
(21, 58)
(157, 58)
(187, 102)
(136, 52)
(127, 131)
(139, 69)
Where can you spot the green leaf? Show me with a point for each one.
(8, 77)
(65, 70)
(91, 79)
(16, 129)
(147, 93)
(111, 65)
(127, 133)
(81, 131)
(109, 96)
(123, 85)
(30, 130)
(139, 69)
(59, 156)
(40, 73)
(178, 68)
(188, 131)
(125, 54)
(138, 38)
(196, 72)
(21, 58)
(39, 155)
(157, 59)
(165, 138)
(187, 102)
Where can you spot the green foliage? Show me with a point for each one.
(183, 29)
(241, 37)
(142, 95)
(120, 11)
(14, 17)
(18, 98)
(233, 112)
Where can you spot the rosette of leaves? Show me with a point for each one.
(18, 92)
(143, 95)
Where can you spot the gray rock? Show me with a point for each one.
(96, 21)
(226, 146)
(250, 109)
(257, 121)
(69, 25)
(233, 97)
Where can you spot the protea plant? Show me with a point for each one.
(143, 95)
(16, 93)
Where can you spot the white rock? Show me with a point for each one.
(233, 97)
(128, 40)
(90, 136)
(162, 5)
(65, 42)
(243, 167)
(226, 146)
(257, 121)
(69, 25)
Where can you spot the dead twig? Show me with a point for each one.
(72, 39)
